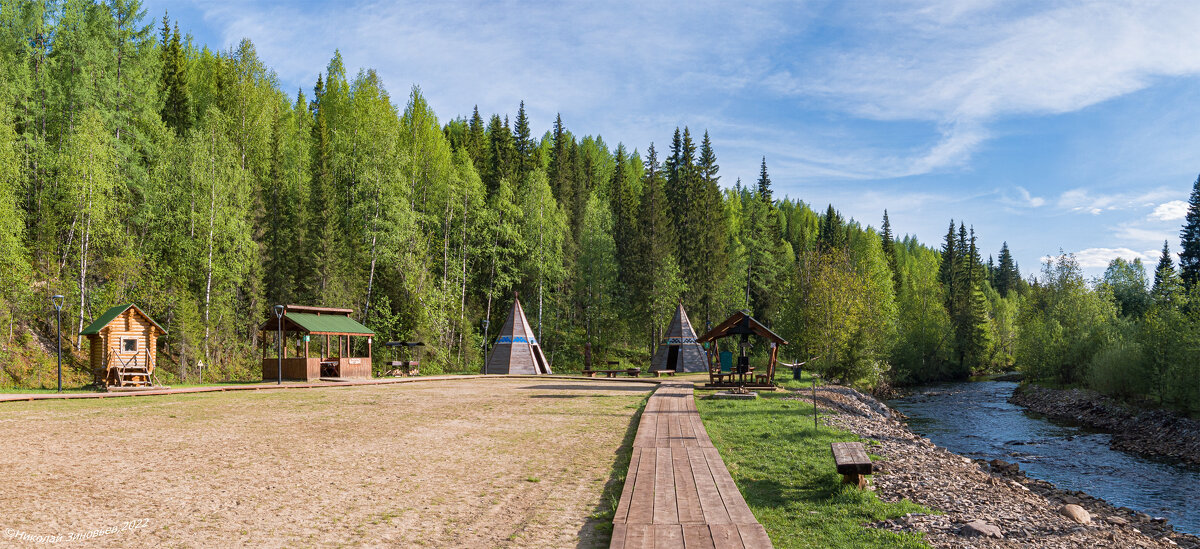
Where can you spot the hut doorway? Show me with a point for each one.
(672, 357)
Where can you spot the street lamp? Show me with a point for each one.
(483, 369)
(57, 300)
(279, 338)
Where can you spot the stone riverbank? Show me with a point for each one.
(1156, 433)
(983, 504)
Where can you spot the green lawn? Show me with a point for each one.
(784, 469)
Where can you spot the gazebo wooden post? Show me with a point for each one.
(306, 347)
(368, 347)
(771, 364)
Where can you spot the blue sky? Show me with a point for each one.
(1049, 125)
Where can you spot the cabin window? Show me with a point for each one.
(130, 345)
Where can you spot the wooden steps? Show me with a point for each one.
(678, 492)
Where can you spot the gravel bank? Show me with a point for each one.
(1157, 433)
(981, 500)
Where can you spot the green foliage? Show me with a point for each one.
(1063, 324)
(1189, 239)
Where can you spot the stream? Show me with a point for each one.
(974, 419)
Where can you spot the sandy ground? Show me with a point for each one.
(467, 463)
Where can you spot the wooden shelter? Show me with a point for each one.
(679, 351)
(742, 325)
(516, 350)
(329, 355)
(123, 343)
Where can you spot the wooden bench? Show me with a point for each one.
(660, 373)
(631, 372)
(852, 462)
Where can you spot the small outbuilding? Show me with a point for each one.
(330, 354)
(123, 343)
(679, 351)
(516, 350)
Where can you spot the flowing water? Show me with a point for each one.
(974, 419)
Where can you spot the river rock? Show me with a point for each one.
(1076, 513)
(979, 528)
(1119, 521)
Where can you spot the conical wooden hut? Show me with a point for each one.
(679, 350)
(516, 350)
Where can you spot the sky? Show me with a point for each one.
(1048, 125)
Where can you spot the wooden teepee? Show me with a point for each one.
(516, 350)
(679, 350)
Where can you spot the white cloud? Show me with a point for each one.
(1028, 199)
(1083, 200)
(1170, 211)
(1091, 258)
(975, 63)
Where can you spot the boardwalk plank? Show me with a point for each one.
(725, 536)
(697, 536)
(622, 514)
(639, 536)
(754, 535)
(685, 489)
(668, 536)
(710, 498)
(641, 504)
(739, 513)
(665, 507)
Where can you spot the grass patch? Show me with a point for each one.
(785, 471)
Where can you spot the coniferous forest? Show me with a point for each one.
(139, 166)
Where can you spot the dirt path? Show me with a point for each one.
(470, 463)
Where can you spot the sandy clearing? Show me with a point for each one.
(466, 463)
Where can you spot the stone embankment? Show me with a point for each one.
(1156, 433)
(983, 504)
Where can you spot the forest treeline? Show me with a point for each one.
(136, 165)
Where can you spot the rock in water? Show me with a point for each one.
(978, 528)
(1076, 513)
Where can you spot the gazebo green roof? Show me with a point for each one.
(329, 324)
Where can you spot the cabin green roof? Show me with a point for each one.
(328, 324)
(111, 314)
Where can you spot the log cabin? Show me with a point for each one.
(123, 347)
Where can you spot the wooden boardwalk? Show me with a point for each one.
(678, 493)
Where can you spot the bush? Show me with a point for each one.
(1119, 370)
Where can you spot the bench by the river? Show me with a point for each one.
(852, 462)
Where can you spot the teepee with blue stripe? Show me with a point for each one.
(516, 350)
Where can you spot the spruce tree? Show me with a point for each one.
(176, 111)
(1166, 281)
(1007, 276)
(764, 182)
(889, 250)
(1189, 240)
(712, 234)
(525, 149)
(477, 147)
(831, 234)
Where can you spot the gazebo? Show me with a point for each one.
(330, 360)
(722, 370)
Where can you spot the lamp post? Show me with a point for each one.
(279, 338)
(57, 300)
(483, 369)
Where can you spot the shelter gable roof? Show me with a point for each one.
(327, 324)
(741, 323)
(111, 314)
